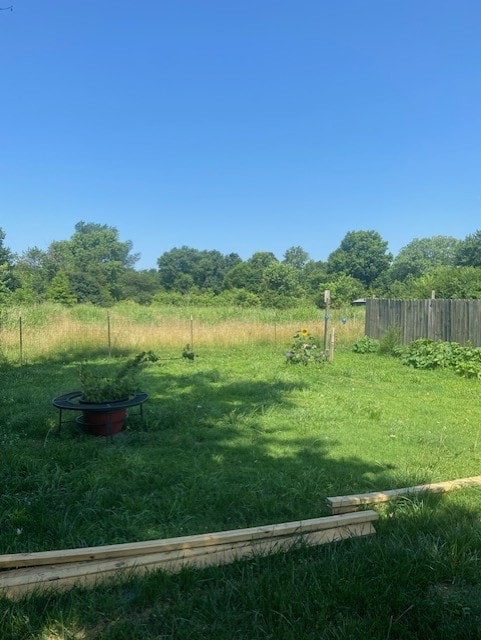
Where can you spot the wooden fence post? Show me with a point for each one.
(20, 328)
(330, 357)
(327, 300)
(109, 336)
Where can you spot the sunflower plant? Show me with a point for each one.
(304, 349)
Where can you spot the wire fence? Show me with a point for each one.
(24, 339)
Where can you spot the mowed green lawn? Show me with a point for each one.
(239, 438)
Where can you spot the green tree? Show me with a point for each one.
(139, 286)
(468, 253)
(243, 276)
(33, 272)
(7, 281)
(315, 278)
(281, 285)
(261, 259)
(362, 255)
(175, 268)
(422, 255)
(94, 260)
(6, 256)
(448, 283)
(249, 274)
(211, 270)
(185, 269)
(296, 257)
(59, 289)
(344, 289)
(397, 289)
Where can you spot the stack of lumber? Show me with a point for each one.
(26, 572)
(351, 503)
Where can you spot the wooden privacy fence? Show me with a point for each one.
(446, 320)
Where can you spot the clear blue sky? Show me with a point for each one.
(241, 126)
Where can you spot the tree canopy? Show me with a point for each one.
(93, 261)
(422, 255)
(362, 255)
(468, 252)
(94, 265)
(7, 279)
(185, 269)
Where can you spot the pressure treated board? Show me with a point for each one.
(85, 567)
(348, 504)
(184, 542)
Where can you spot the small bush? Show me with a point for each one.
(366, 345)
(390, 342)
(468, 362)
(430, 354)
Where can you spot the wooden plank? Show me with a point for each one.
(170, 544)
(348, 504)
(17, 582)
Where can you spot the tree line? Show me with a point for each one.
(96, 266)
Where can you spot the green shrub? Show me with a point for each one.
(468, 362)
(390, 341)
(430, 354)
(366, 345)
(106, 384)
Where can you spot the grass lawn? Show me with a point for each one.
(238, 438)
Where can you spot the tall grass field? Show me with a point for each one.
(37, 332)
(239, 437)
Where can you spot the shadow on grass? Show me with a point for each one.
(217, 451)
(419, 577)
(214, 451)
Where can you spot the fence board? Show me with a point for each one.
(446, 320)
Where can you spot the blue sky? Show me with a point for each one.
(240, 126)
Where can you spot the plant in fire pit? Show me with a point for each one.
(109, 391)
(119, 383)
(304, 349)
